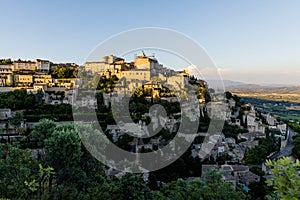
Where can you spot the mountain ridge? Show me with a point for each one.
(229, 84)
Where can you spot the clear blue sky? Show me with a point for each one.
(251, 41)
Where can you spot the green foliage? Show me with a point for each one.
(133, 187)
(170, 107)
(275, 132)
(104, 188)
(18, 100)
(238, 101)
(180, 189)
(296, 139)
(211, 187)
(124, 141)
(6, 61)
(104, 84)
(166, 135)
(215, 188)
(166, 92)
(64, 137)
(199, 139)
(232, 130)
(295, 126)
(75, 174)
(57, 112)
(286, 180)
(296, 149)
(64, 151)
(66, 154)
(228, 95)
(257, 170)
(17, 167)
(259, 190)
(184, 167)
(41, 185)
(42, 130)
(16, 119)
(258, 154)
(64, 72)
(207, 96)
(139, 92)
(132, 106)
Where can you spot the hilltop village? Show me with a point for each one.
(41, 93)
(50, 78)
(41, 74)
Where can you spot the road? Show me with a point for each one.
(286, 151)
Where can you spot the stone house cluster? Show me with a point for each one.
(229, 146)
(33, 74)
(273, 124)
(253, 123)
(234, 148)
(235, 174)
(7, 77)
(142, 71)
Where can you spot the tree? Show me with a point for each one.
(166, 135)
(256, 155)
(124, 140)
(139, 92)
(133, 187)
(43, 130)
(18, 99)
(64, 152)
(103, 189)
(228, 95)
(75, 168)
(207, 96)
(16, 119)
(246, 122)
(60, 72)
(215, 188)
(259, 190)
(178, 190)
(259, 153)
(211, 187)
(132, 107)
(16, 166)
(6, 61)
(286, 180)
(296, 149)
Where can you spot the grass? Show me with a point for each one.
(291, 117)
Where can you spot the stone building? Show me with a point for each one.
(20, 65)
(109, 63)
(23, 79)
(6, 77)
(5, 113)
(43, 65)
(45, 79)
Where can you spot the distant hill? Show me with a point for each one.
(219, 84)
(275, 92)
(228, 84)
(290, 93)
(266, 90)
